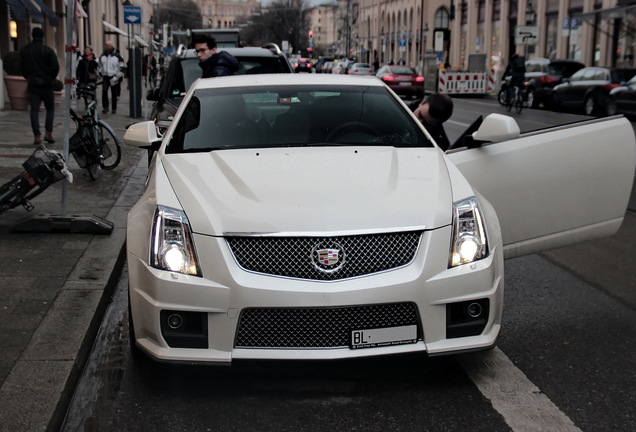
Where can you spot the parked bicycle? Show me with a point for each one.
(94, 145)
(43, 168)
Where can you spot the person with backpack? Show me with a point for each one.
(516, 70)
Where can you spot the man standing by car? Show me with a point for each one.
(39, 65)
(432, 112)
(214, 63)
(110, 62)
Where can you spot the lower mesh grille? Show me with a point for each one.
(317, 327)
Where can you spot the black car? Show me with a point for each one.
(303, 65)
(622, 100)
(589, 88)
(543, 75)
(184, 70)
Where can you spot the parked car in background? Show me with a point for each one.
(239, 248)
(360, 69)
(303, 65)
(402, 80)
(543, 75)
(588, 89)
(320, 66)
(622, 99)
(340, 67)
(184, 70)
(328, 67)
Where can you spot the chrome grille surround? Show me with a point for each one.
(305, 328)
(297, 256)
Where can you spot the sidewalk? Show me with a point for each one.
(54, 287)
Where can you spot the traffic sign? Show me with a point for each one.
(526, 35)
(132, 14)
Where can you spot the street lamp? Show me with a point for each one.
(530, 14)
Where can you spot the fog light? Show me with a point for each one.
(175, 321)
(473, 310)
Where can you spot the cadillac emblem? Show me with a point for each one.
(328, 257)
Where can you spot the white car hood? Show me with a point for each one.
(311, 190)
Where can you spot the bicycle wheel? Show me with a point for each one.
(17, 192)
(109, 146)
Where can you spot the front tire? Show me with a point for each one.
(501, 97)
(610, 107)
(590, 105)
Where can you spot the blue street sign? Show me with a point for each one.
(402, 42)
(132, 14)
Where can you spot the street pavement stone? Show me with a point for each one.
(55, 286)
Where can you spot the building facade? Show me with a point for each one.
(595, 32)
(227, 14)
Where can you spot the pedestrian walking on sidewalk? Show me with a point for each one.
(87, 67)
(39, 65)
(110, 63)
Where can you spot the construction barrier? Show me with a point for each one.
(466, 82)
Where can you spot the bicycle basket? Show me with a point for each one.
(81, 147)
(41, 167)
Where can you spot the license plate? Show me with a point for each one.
(371, 338)
(405, 83)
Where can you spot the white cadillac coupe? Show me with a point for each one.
(313, 217)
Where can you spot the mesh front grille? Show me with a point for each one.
(317, 327)
(325, 258)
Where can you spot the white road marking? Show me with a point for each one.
(521, 403)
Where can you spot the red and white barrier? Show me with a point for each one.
(466, 82)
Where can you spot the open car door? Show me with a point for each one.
(557, 186)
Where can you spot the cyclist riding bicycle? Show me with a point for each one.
(516, 70)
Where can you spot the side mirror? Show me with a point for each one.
(143, 135)
(496, 128)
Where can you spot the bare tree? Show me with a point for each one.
(180, 14)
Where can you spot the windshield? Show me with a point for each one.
(294, 116)
(189, 71)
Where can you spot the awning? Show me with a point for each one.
(21, 9)
(607, 13)
(36, 15)
(18, 12)
(48, 12)
(142, 42)
(114, 28)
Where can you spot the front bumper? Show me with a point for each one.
(226, 291)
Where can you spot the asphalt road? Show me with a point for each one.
(565, 361)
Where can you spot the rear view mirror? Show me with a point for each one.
(496, 128)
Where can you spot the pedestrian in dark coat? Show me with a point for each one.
(213, 63)
(87, 67)
(39, 65)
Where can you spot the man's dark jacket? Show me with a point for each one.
(219, 64)
(38, 64)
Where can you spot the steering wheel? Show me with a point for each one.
(351, 127)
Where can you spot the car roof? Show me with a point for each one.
(286, 79)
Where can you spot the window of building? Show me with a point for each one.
(441, 18)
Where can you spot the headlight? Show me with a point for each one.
(172, 247)
(469, 241)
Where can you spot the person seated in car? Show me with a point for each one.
(213, 63)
